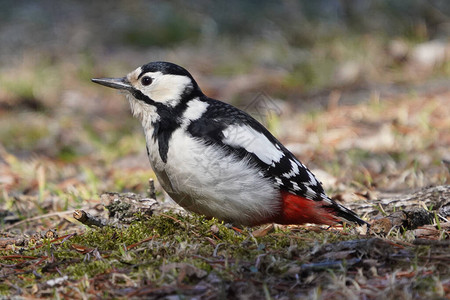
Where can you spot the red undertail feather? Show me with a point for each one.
(299, 210)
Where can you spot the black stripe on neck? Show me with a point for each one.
(140, 96)
(169, 121)
(169, 117)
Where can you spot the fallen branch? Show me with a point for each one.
(434, 197)
(126, 207)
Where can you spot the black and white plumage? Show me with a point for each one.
(217, 160)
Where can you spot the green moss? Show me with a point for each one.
(90, 269)
(67, 154)
(425, 284)
(4, 289)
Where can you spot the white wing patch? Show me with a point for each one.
(252, 141)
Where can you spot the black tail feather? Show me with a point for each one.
(348, 215)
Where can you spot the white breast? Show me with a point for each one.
(206, 180)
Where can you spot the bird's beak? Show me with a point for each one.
(115, 83)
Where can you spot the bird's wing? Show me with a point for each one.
(243, 136)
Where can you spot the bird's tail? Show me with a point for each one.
(299, 210)
(346, 215)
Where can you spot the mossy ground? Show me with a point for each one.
(169, 254)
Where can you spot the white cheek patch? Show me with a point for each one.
(166, 88)
(252, 141)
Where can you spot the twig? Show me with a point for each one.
(88, 219)
(172, 218)
(143, 241)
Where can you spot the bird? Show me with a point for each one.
(216, 160)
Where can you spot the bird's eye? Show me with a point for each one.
(146, 80)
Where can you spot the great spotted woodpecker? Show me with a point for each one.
(216, 160)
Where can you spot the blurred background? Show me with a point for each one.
(360, 89)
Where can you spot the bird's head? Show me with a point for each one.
(156, 86)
